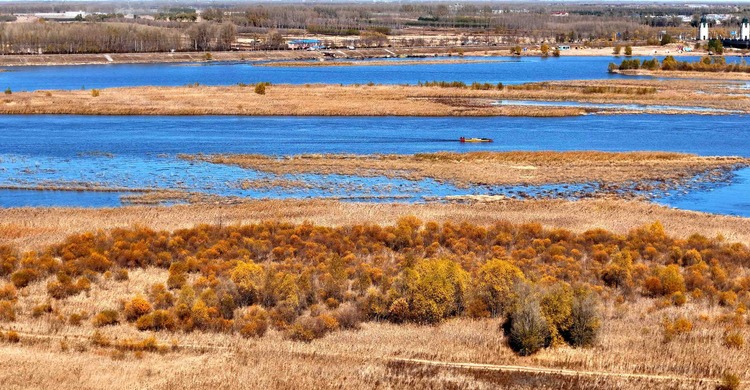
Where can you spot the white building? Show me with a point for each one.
(745, 29)
(703, 30)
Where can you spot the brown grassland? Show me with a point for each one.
(519, 294)
(686, 74)
(278, 305)
(371, 100)
(496, 168)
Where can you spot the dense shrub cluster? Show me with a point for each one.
(308, 280)
(705, 64)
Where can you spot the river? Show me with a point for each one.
(508, 70)
(141, 152)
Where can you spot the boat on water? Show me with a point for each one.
(474, 140)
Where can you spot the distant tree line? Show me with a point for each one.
(182, 27)
(112, 37)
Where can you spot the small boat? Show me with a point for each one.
(474, 140)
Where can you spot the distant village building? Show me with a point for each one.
(62, 16)
(743, 40)
(703, 29)
(304, 44)
(560, 13)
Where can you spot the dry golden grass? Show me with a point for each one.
(51, 355)
(35, 228)
(278, 100)
(687, 74)
(495, 168)
(376, 100)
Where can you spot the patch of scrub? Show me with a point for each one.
(614, 106)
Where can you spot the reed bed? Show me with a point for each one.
(631, 350)
(686, 74)
(363, 100)
(496, 168)
(34, 228)
(368, 358)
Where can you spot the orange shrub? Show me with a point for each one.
(8, 292)
(106, 317)
(252, 321)
(23, 277)
(136, 308)
(7, 311)
(733, 339)
(412, 271)
(157, 320)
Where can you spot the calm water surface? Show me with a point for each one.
(509, 70)
(138, 152)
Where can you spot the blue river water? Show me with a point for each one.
(508, 70)
(141, 152)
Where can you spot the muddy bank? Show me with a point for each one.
(685, 74)
(301, 55)
(256, 55)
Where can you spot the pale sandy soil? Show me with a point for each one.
(260, 55)
(668, 50)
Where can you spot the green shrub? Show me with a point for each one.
(260, 88)
(8, 91)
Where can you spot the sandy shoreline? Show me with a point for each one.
(299, 55)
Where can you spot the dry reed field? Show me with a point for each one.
(35, 228)
(368, 358)
(498, 168)
(687, 74)
(670, 313)
(370, 100)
